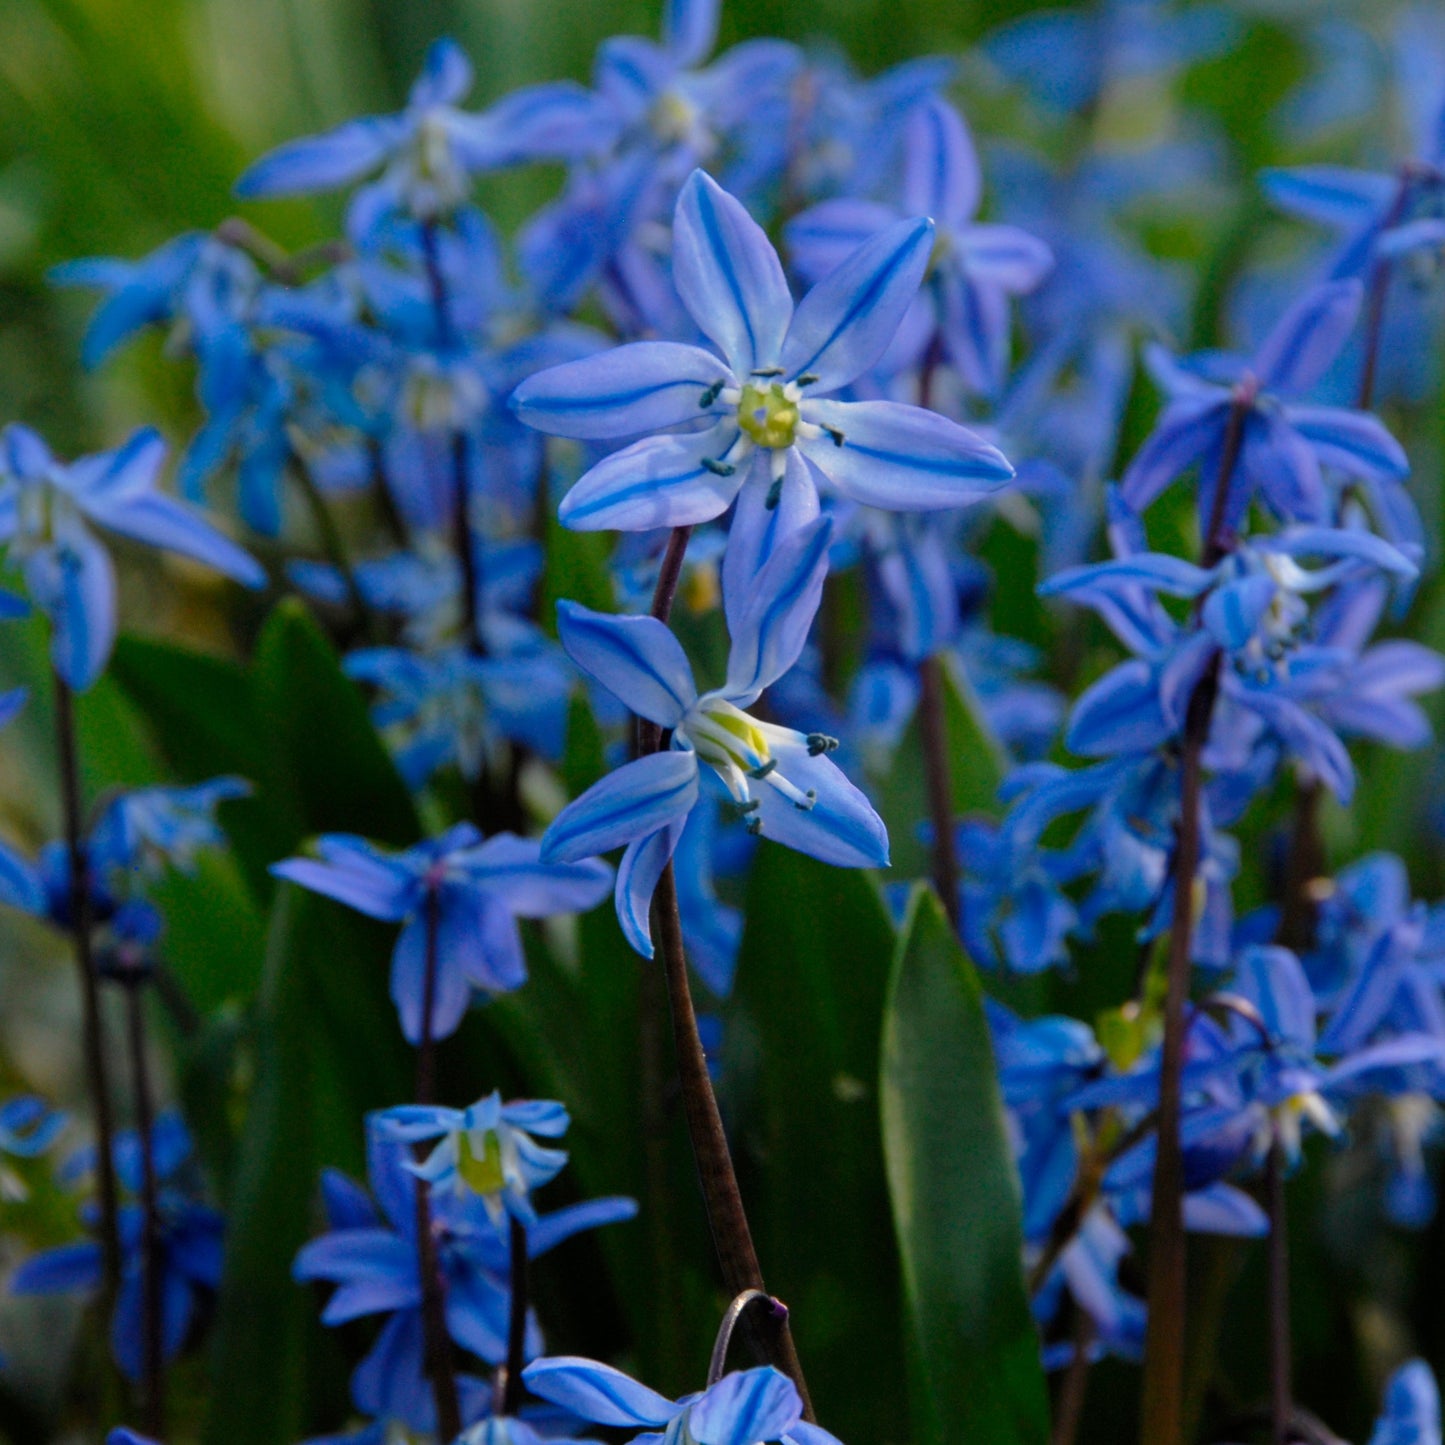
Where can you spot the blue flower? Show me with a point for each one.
(974, 267)
(470, 890)
(486, 1150)
(1284, 444)
(771, 435)
(46, 513)
(370, 1254)
(747, 1407)
(430, 151)
(148, 830)
(191, 1247)
(455, 706)
(1411, 1415)
(781, 778)
(1251, 608)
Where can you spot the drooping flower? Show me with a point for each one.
(781, 778)
(486, 1150)
(190, 1239)
(47, 510)
(746, 1407)
(1283, 444)
(370, 1254)
(462, 892)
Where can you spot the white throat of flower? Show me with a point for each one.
(771, 413)
(741, 750)
(44, 514)
(426, 173)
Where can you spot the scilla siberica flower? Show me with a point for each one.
(46, 513)
(428, 153)
(468, 891)
(191, 1247)
(486, 1150)
(370, 1254)
(780, 778)
(1284, 445)
(772, 436)
(1411, 1415)
(974, 268)
(747, 1407)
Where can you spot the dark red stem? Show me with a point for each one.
(97, 1072)
(437, 1341)
(153, 1261)
(1162, 1406)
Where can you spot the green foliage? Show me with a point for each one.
(812, 974)
(955, 1199)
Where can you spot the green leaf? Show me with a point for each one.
(328, 1050)
(808, 1012)
(317, 730)
(955, 1195)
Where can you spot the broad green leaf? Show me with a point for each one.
(804, 1030)
(316, 728)
(328, 1050)
(955, 1196)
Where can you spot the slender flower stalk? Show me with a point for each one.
(463, 542)
(933, 725)
(652, 990)
(1376, 292)
(440, 1362)
(933, 730)
(333, 544)
(1069, 1410)
(732, 1317)
(512, 1384)
(153, 1261)
(1161, 1412)
(1281, 1393)
(727, 1219)
(97, 1073)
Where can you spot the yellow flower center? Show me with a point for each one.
(768, 415)
(482, 1175)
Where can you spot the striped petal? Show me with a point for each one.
(668, 481)
(636, 800)
(635, 658)
(624, 392)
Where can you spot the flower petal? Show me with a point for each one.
(758, 529)
(637, 659)
(637, 876)
(729, 276)
(772, 627)
(840, 828)
(597, 1393)
(625, 392)
(637, 799)
(1308, 337)
(941, 176)
(844, 324)
(901, 458)
(532, 888)
(324, 162)
(745, 1407)
(1354, 441)
(658, 482)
